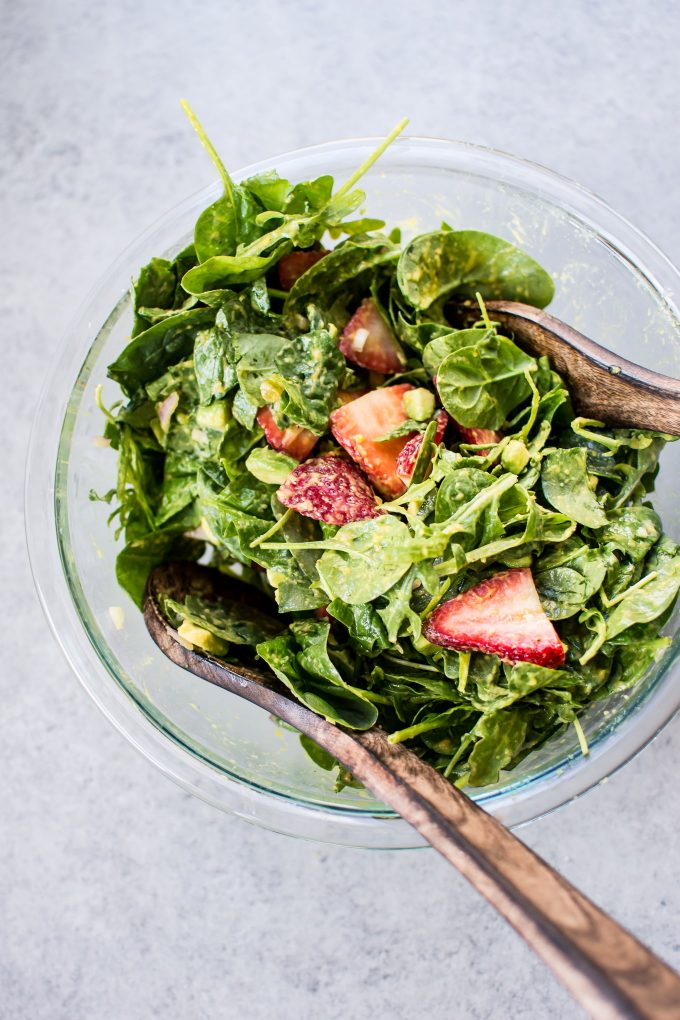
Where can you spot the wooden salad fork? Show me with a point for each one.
(603, 385)
(604, 967)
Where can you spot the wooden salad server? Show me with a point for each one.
(603, 385)
(605, 968)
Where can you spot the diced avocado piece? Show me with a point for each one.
(419, 404)
(271, 390)
(201, 638)
(515, 456)
(214, 416)
(270, 466)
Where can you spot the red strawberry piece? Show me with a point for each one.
(329, 489)
(358, 424)
(406, 461)
(369, 342)
(292, 266)
(478, 436)
(502, 616)
(295, 441)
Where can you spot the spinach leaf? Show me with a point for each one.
(149, 354)
(480, 385)
(649, 601)
(441, 346)
(308, 372)
(257, 355)
(566, 486)
(154, 288)
(562, 591)
(341, 274)
(322, 693)
(215, 375)
(222, 271)
(364, 625)
(144, 552)
(632, 530)
(367, 558)
(462, 262)
(499, 737)
(320, 757)
(235, 625)
(458, 489)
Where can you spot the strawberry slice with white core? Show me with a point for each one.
(368, 341)
(476, 436)
(329, 489)
(295, 441)
(406, 461)
(358, 424)
(292, 266)
(501, 616)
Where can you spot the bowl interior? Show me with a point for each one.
(607, 285)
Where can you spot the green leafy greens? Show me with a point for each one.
(215, 342)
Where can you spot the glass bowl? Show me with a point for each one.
(611, 282)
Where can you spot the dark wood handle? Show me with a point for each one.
(604, 967)
(603, 385)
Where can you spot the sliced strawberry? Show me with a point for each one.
(329, 489)
(295, 441)
(502, 616)
(292, 266)
(478, 436)
(406, 461)
(358, 424)
(369, 342)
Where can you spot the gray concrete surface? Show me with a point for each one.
(120, 896)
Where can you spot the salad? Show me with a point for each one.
(450, 552)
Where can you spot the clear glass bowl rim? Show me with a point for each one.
(645, 717)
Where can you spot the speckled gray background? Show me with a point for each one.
(120, 896)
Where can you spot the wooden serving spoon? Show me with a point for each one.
(604, 967)
(603, 385)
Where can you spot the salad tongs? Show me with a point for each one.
(602, 965)
(604, 386)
